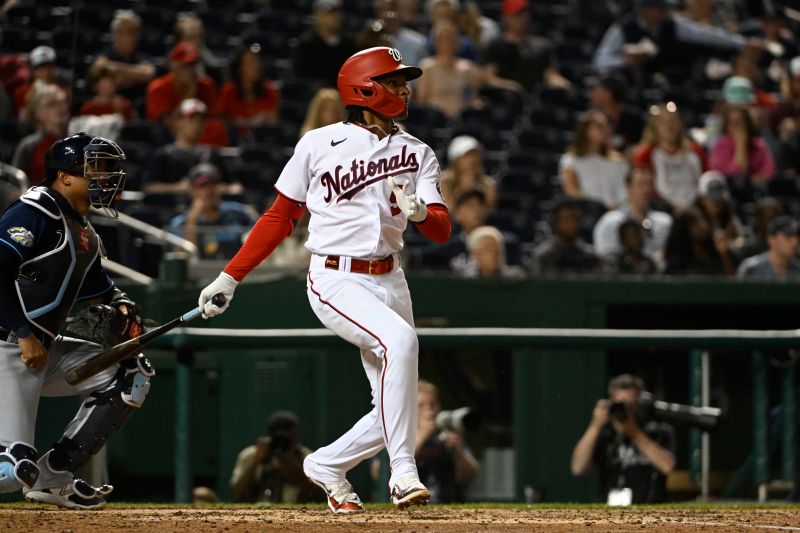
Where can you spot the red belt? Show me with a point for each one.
(361, 266)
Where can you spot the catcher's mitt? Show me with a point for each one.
(105, 324)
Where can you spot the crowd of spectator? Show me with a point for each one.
(623, 137)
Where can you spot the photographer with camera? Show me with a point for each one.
(446, 465)
(272, 468)
(633, 453)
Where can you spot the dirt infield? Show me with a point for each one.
(432, 519)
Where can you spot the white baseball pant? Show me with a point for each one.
(373, 313)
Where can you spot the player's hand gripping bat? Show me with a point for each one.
(121, 351)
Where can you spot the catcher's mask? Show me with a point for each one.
(97, 159)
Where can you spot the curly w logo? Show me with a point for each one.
(395, 53)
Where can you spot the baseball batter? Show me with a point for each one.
(361, 180)
(50, 258)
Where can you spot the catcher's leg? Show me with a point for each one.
(113, 396)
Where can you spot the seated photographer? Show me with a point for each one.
(272, 468)
(634, 456)
(445, 464)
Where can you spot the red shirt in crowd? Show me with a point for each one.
(123, 107)
(162, 97)
(230, 106)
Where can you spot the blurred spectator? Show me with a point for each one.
(408, 12)
(780, 44)
(465, 172)
(249, 99)
(780, 262)
(325, 109)
(216, 227)
(183, 81)
(271, 470)
(106, 101)
(411, 44)
(632, 259)
(755, 236)
(189, 27)
(170, 164)
(321, 51)
(651, 39)
(591, 168)
(786, 117)
(692, 247)
(469, 213)
(656, 225)
(42, 60)
(788, 152)
(131, 68)
(445, 463)
(705, 12)
(741, 152)
(745, 65)
(518, 60)
(446, 11)
(563, 252)
(482, 30)
(608, 96)
(714, 202)
(374, 33)
(486, 256)
(450, 83)
(50, 111)
(633, 456)
(676, 161)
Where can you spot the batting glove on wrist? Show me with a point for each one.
(224, 284)
(414, 208)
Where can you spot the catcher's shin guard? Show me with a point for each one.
(17, 467)
(101, 415)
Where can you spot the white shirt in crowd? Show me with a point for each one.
(656, 231)
(600, 178)
(677, 176)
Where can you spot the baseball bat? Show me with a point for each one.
(123, 350)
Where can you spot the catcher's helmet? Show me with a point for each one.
(97, 159)
(357, 85)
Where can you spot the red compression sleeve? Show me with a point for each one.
(275, 224)
(436, 225)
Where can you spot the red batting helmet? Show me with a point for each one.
(356, 80)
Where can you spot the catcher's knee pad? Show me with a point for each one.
(18, 467)
(102, 414)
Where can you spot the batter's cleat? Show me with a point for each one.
(409, 491)
(77, 494)
(341, 497)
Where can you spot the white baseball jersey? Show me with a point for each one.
(341, 173)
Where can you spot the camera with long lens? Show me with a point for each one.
(704, 418)
(461, 419)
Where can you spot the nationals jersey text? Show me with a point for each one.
(340, 172)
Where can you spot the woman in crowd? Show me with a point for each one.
(450, 83)
(249, 99)
(740, 151)
(325, 109)
(591, 169)
(465, 172)
(693, 248)
(675, 160)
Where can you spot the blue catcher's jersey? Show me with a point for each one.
(50, 257)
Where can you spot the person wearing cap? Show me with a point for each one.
(665, 35)
(780, 262)
(170, 165)
(465, 172)
(740, 151)
(42, 60)
(607, 94)
(517, 60)
(50, 111)
(190, 27)
(131, 68)
(181, 82)
(320, 52)
(451, 83)
(714, 203)
(215, 226)
(675, 160)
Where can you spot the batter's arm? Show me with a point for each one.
(436, 225)
(272, 228)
